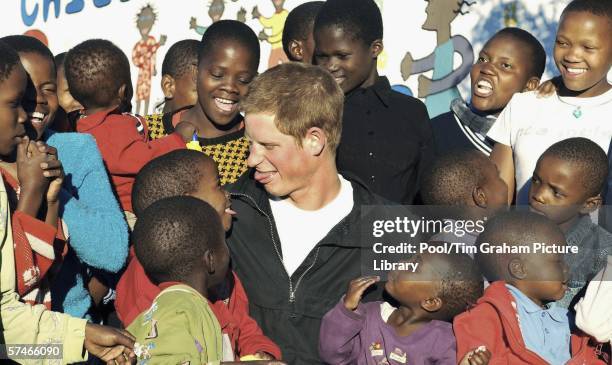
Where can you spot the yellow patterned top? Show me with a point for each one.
(230, 152)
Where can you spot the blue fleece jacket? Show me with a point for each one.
(98, 234)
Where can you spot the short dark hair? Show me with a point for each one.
(300, 23)
(537, 60)
(359, 18)
(27, 44)
(95, 70)
(595, 7)
(9, 58)
(230, 30)
(176, 173)
(587, 156)
(60, 58)
(512, 228)
(173, 234)
(460, 285)
(452, 177)
(181, 58)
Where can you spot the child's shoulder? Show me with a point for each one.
(399, 100)
(180, 297)
(74, 147)
(70, 139)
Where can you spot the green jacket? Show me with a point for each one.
(32, 324)
(179, 328)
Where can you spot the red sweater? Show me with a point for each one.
(135, 294)
(125, 147)
(493, 322)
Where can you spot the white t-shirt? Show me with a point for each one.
(530, 125)
(300, 230)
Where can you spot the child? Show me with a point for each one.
(179, 73)
(516, 318)
(511, 61)
(581, 108)
(190, 257)
(87, 204)
(566, 187)
(98, 75)
(298, 41)
(186, 172)
(23, 323)
(68, 112)
(418, 331)
(467, 180)
(228, 61)
(386, 136)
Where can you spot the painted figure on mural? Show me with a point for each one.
(510, 19)
(215, 12)
(275, 24)
(143, 56)
(441, 89)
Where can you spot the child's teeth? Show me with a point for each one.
(37, 115)
(485, 84)
(225, 101)
(576, 70)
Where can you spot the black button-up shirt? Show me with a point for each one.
(386, 140)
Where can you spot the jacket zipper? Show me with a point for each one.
(292, 290)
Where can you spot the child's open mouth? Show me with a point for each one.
(226, 105)
(37, 118)
(573, 71)
(484, 88)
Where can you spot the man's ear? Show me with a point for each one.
(315, 141)
(376, 47)
(479, 197)
(517, 269)
(296, 50)
(591, 204)
(532, 84)
(432, 304)
(168, 86)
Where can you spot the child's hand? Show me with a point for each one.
(356, 289)
(186, 130)
(52, 170)
(549, 87)
(29, 171)
(479, 356)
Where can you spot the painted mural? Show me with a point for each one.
(429, 45)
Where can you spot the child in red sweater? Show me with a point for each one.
(188, 172)
(517, 318)
(98, 75)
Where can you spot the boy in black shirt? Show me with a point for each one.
(511, 61)
(386, 137)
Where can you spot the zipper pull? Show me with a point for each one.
(291, 297)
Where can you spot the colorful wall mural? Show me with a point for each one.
(429, 45)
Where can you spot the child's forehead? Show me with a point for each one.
(220, 53)
(15, 81)
(584, 19)
(503, 45)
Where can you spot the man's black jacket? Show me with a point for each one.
(289, 310)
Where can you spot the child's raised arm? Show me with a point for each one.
(338, 340)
